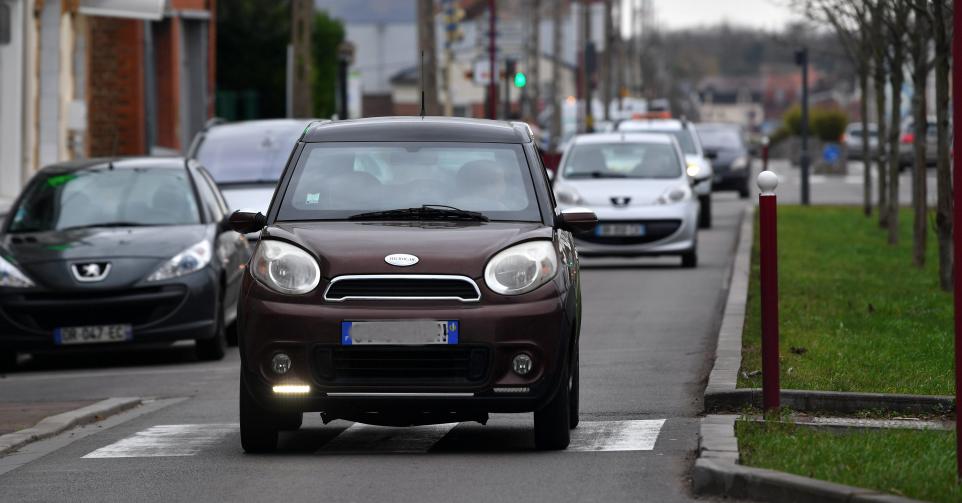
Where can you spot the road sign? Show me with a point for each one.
(482, 72)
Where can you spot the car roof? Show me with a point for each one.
(651, 124)
(442, 129)
(625, 137)
(256, 126)
(115, 163)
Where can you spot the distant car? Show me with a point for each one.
(246, 158)
(412, 270)
(731, 159)
(699, 168)
(637, 185)
(853, 140)
(112, 253)
(907, 144)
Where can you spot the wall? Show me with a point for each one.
(116, 89)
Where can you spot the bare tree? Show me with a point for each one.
(557, 101)
(879, 42)
(941, 10)
(921, 66)
(895, 17)
(428, 51)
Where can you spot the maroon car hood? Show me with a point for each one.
(461, 248)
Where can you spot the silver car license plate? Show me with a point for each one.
(400, 332)
(620, 230)
(96, 334)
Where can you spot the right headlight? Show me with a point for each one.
(674, 195)
(285, 268)
(521, 268)
(11, 277)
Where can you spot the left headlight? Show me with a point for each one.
(285, 268)
(11, 277)
(674, 195)
(194, 258)
(740, 162)
(521, 268)
(693, 170)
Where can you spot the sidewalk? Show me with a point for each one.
(16, 416)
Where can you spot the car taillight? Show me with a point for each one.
(908, 138)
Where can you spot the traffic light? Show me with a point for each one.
(520, 80)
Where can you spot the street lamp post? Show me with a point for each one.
(801, 59)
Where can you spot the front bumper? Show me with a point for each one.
(730, 179)
(675, 231)
(310, 333)
(165, 312)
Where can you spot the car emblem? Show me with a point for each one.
(90, 271)
(620, 201)
(401, 259)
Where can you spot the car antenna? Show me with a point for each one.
(422, 83)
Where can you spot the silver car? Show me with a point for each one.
(638, 186)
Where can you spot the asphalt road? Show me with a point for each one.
(647, 342)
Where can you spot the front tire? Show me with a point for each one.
(743, 191)
(8, 361)
(704, 214)
(689, 259)
(552, 424)
(258, 431)
(574, 390)
(213, 348)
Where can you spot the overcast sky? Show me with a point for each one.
(768, 14)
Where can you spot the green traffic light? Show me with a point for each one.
(520, 79)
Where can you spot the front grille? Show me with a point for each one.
(46, 311)
(421, 287)
(655, 230)
(394, 365)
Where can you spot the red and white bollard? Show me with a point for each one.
(768, 251)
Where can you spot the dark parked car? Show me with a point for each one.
(731, 159)
(109, 253)
(411, 271)
(246, 158)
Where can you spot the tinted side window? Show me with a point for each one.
(209, 196)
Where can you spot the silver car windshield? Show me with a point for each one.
(342, 180)
(622, 160)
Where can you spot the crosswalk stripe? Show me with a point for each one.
(166, 440)
(361, 437)
(607, 436)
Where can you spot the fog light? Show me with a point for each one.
(281, 363)
(292, 389)
(522, 364)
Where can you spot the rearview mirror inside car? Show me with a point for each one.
(578, 220)
(247, 221)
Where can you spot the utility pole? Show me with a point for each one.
(607, 60)
(427, 47)
(493, 59)
(587, 64)
(801, 59)
(557, 101)
(453, 15)
(620, 47)
(302, 20)
(534, 61)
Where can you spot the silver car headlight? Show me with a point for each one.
(193, 259)
(674, 195)
(740, 162)
(521, 268)
(568, 196)
(694, 169)
(285, 268)
(11, 277)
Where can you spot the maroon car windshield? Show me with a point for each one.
(334, 181)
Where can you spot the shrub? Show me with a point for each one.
(826, 124)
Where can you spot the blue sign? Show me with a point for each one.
(831, 153)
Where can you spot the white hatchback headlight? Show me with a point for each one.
(190, 260)
(285, 268)
(521, 268)
(674, 195)
(567, 196)
(11, 277)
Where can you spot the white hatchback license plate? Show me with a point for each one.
(92, 335)
(620, 230)
(402, 332)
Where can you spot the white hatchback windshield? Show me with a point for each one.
(622, 160)
(342, 180)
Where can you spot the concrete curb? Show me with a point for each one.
(831, 401)
(59, 423)
(716, 472)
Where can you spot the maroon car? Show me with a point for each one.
(411, 271)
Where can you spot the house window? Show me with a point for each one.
(5, 23)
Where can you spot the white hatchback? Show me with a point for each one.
(638, 186)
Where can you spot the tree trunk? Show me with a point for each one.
(866, 161)
(878, 63)
(920, 77)
(427, 51)
(557, 101)
(897, 78)
(943, 212)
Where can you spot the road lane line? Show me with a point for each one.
(166, 440)
(607, 436)
(361, 437)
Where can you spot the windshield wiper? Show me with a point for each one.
(597, 174)
(108, 224)
(425, 212)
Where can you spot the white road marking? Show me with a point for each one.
(596, 436)
(166, 440)
(368, 438)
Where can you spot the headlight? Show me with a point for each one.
(693, 169)
(674, 195)
(740, 163)
(568, 196)
(285, 268)
(11, 277)
(521, 268)
(190, 260)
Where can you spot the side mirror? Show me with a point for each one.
(578, 220)
(550, 175)
(247, 221)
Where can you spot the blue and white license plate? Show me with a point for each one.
(97, 334)
(620, 230)
(400, 332)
